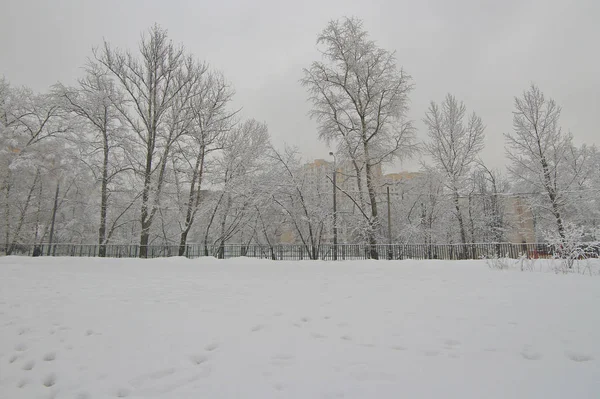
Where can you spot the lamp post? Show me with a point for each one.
(334, 207)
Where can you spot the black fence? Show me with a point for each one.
(301, 252)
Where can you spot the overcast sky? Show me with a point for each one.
(483, 52)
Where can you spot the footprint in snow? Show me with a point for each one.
(22, 383)
(29, 365)
(579, 357)
(22, 331)
(211, 347)
(50, 380)
(531, 355)
(50, 356)
(13, 358)
(21, 347)
(257, 327)
(198, 359)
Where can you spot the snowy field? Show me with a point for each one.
(177, 328)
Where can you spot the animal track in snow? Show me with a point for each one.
(21, 347)
(29, 365)
(123, 393)
(579, 357)
(531, 355)
(50, 380)
(13, 358)
(22, 383)
(398, 348)
(346, 338)
(211, 347)
(50, 356)
(198, 359)
(257, 327)
(22, 331)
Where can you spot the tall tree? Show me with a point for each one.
(94, 102)
(159, 86)
(539, 152)
(360, 100)
(453, 147)
(211, 120)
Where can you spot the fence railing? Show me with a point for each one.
(299, 252)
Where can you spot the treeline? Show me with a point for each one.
(146, 148)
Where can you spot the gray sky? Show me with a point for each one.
(483, 52)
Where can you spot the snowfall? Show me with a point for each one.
(248, 328)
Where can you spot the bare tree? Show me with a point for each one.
(302, 198)
(159, 87)
(28, 122)
(95, 102)
(539, 150)
(211, 119)
(360, 100)
(241, 161)
(453, 147)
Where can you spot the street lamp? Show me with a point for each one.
(334, 206)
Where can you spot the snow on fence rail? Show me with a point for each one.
(299, 252)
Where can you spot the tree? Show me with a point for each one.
(360, 100)
(303, 199)
(29, 123)
(95, 103)
(453, 147)
(159, 87)
(539, 152)
(211, 119)
(237, 169)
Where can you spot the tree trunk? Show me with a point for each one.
(11, 248)
(53, 218)
(7, 214)
(145, 216)
(103, 204)
(373, 222)
(193, 201)
(144, 239)
(461, 224)
(183, 242)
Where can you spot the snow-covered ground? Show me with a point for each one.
(242, 328)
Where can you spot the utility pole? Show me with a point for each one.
(389, 215)
(334, 206)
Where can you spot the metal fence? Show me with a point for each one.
(301, 252)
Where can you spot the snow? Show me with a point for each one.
(245, 328)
